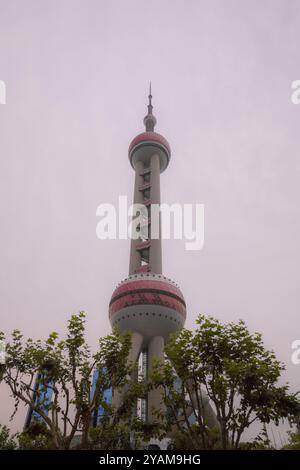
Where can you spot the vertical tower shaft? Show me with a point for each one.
(145, 251)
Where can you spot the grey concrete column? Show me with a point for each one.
(155, 249)
(136, 346)
(155, 398)
(134, 260)
(204, 407)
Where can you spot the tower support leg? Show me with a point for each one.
(155, 398)
(136, 346)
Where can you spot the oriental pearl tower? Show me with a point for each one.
(147, 303)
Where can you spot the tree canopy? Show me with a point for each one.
(230, 367)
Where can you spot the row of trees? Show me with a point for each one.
(215, 382)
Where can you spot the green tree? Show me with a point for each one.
(36, 436)
(230, 366)
(66, 367)
(293, 442)
(7, 442)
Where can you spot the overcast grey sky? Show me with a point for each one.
(77, 75)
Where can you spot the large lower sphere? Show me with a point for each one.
(150, 304)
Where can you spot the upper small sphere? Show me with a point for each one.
(144, 145)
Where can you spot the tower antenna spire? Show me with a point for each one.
(150, 107)
(150, 96)
(150, 119)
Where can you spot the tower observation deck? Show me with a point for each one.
(147, 303)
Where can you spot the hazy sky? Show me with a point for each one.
(77, 75)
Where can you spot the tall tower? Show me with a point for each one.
(147, 303)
